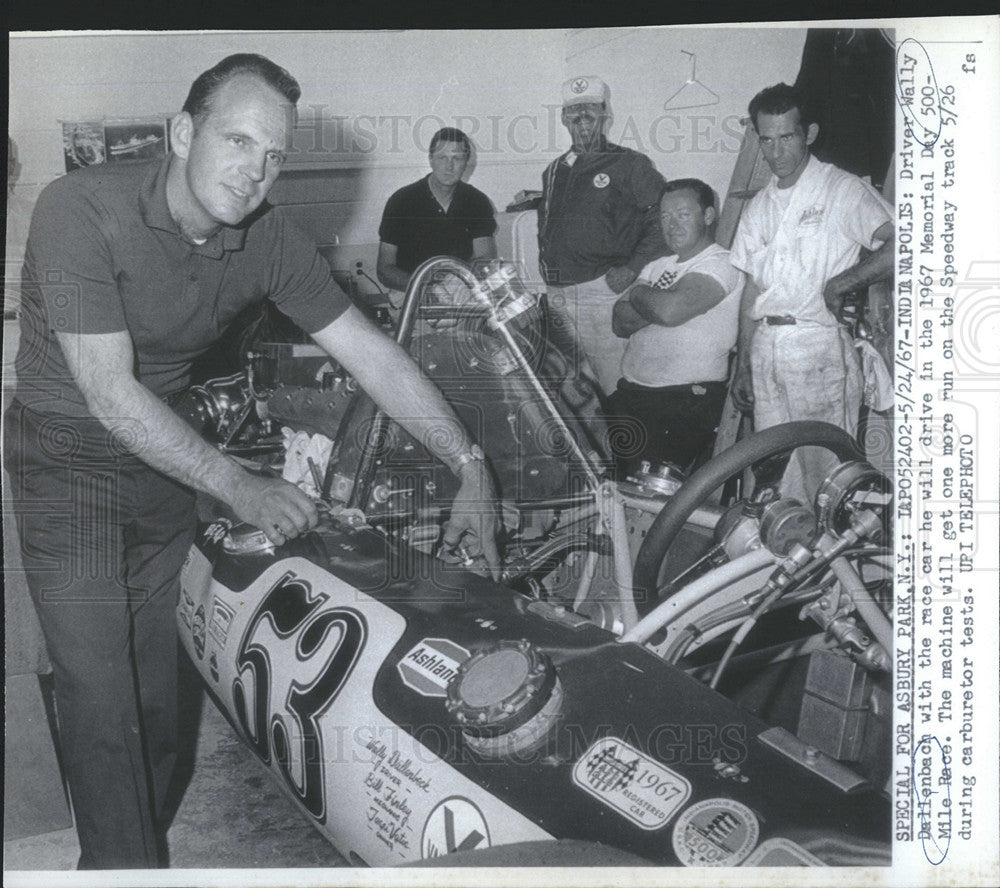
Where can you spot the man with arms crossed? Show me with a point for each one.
(131, 272)
(597, 226)
(798, 242)
(680, 320)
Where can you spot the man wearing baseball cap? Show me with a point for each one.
(598, 226)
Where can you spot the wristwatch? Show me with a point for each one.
(473, 454)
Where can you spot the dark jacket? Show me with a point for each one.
(599, 210)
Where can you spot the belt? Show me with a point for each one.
(777, 320)
(687, 388)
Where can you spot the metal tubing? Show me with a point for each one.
(695, 591)
(411, 306)
(870, 612)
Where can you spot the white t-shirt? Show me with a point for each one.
(792, 241)
(698, 350)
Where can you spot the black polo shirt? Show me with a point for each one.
(419, 227)
(104, 255)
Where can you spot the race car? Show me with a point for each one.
(677, 667)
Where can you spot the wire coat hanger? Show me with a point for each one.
(693, 93)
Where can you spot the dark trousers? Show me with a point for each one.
(674, 424)
(103, 538)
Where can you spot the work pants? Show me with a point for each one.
(103, 538)
(805, 372)
(585, 312)
(674, 423)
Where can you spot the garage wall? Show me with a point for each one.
(645, 67)
(372, 100)
(370, 103)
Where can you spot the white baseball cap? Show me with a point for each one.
(584, 90)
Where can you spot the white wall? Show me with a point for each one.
(389, 90)
(644, 67)
(382, 94)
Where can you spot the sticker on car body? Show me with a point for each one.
(715, 832)
(428, 666)
(455, 824)
(222, 618)
(630, 782)
(198, 631)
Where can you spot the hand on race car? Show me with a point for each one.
(472, 527)
(278, 508)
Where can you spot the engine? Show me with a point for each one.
(685, 675)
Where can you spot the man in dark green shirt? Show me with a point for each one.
(130, 273)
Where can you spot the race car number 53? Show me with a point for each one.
(294, 620)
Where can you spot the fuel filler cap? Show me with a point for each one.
(506, 697)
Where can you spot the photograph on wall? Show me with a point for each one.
(135, 139)
(83, 143)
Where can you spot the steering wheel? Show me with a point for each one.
(752, 449)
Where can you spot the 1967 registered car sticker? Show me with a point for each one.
(631, 783)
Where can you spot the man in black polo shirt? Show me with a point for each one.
(131, 272)
(438, 215)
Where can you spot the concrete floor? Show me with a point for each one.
(230, 812)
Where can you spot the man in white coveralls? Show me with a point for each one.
(799, 241)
